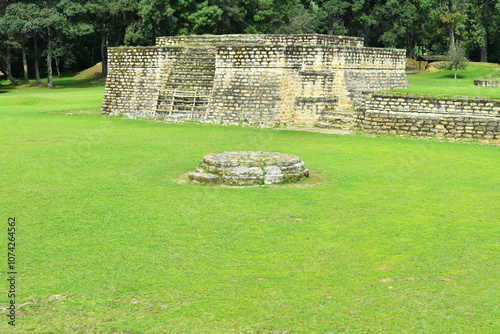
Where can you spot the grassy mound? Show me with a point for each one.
(440, 82)
(94, 72)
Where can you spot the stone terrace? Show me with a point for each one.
(266, 80)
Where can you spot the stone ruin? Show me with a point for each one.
(249, 168)
(266, 80)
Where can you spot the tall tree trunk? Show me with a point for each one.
(410, 47)
(452, 26)
(452, 36)
(484, 49)
(35, 55)
(57, 67)
(104, 56)
(330, 23)
(155, 33)
(25, 62)
(9, 66)
(49, 60)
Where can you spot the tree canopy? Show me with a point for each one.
(76, 33)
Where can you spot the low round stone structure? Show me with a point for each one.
(240, 168)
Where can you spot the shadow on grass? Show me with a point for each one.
(59, 83)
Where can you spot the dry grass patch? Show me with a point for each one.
(94, 72)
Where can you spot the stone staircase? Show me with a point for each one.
(337, 119)
(188, 88)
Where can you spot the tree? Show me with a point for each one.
(265, 16)
(398, 20)
(52, 23)
(109, 19)
(8, 44)
(335, 9)
(482, 17)
(153, 18)
(19, 23)
(232, 19)
(457, 57)
(62, 53)
(300, 21)
(61, 19)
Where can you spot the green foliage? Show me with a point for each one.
(87, 28)
(300, 21)
(205, 19)
(458, 60)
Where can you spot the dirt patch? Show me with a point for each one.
(436, 66)
(384, 268)
(446, 279)
(318, 130)
(386, 280)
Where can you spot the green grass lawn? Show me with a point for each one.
(442, 82)
(402, 237)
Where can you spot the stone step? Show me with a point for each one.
(347, 113)
(337, 118)
(180, 80)
(183, 99)
(197, 72)
(327, 125)
(202, 62)
(205, 85)
(199, 51)
(174, 76)
(194, 67)
(198, 59)
(187, 92)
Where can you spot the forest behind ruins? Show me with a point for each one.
(39, 36)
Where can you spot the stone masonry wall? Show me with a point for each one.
(487, 83)
(260, 79)
(216, 40)
(246, 84)
(135, 77)
(283, 84)
(458, 118)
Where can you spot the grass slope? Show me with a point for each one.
(402, 236)
(442, 82)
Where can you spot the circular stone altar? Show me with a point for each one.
(241, 168)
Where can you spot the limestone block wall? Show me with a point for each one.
(283, 84)
(487, 83)
(371, 69)
(458, 118)
(260, 83)
(259, 79)
(216, 40)
(247, 85)
(135, 77)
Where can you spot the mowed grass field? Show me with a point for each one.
(401, 237)
(441, 83)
